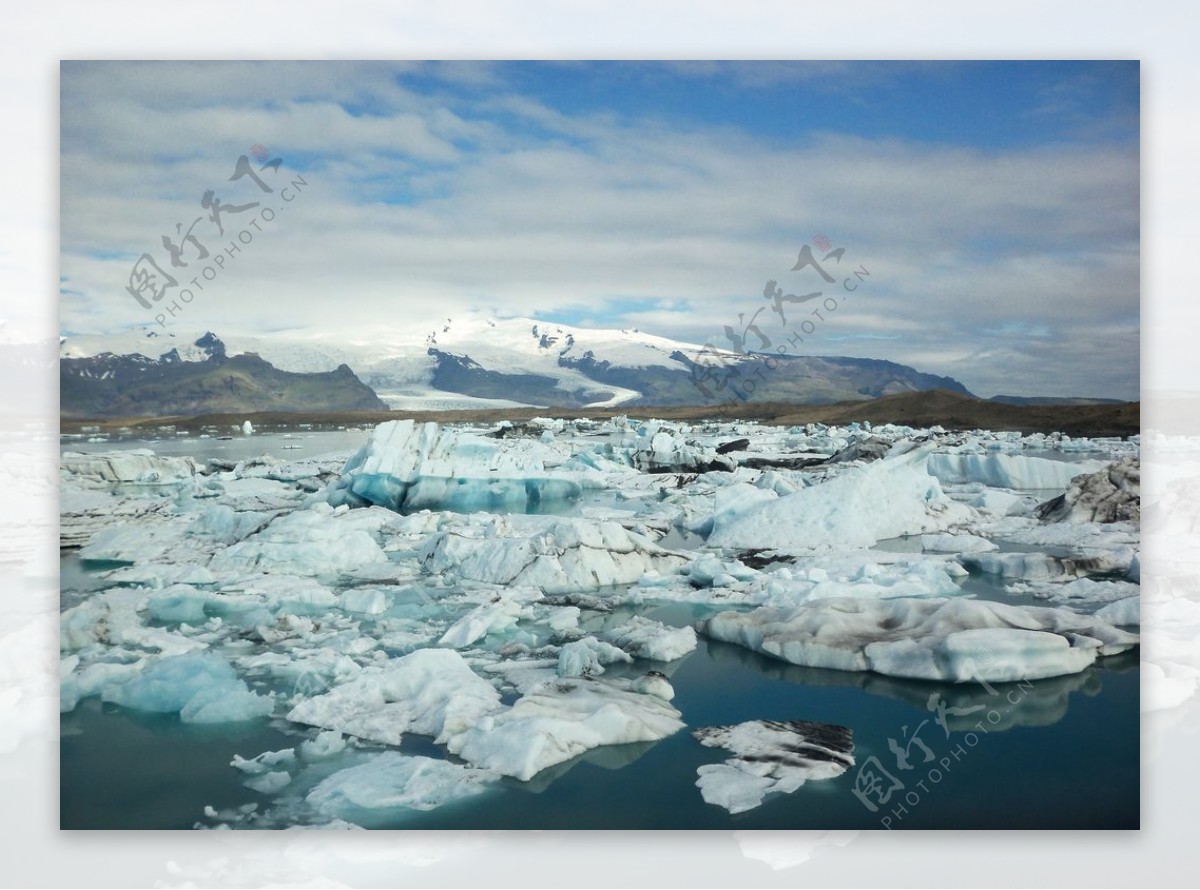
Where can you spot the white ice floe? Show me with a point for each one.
(960, 543)
(407, 467)
(658, 449)
(316, 541)
(327, 743)
(864, 504)
(392, 780)
(431, 692)
(646, 638)
(770, 757)
(497, 616)
(1123, 613)
(566, 556)
(586, 657)
(559, 719)
(200, 687)
(141, 466)
(112, 619)
(1033, 566)
(1009, 470)
(954, 640)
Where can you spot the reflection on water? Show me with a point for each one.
(1029, 703)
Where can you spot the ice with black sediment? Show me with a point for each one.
(771, 757)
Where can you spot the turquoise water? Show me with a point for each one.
(1066, 755)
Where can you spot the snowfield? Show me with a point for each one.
(484, 590)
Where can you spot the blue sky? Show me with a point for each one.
(995, 203)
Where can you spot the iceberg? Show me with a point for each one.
(557, 720)
(568, 556)
(315, 542)
(405, 467)
(1113, 494)
(862, 505)
(139, 465)
(646, 638)
(391, 779)
(200, 687)
(587, 657)
(431, 692)
(770, 757)
(1008, 470)
(949, 639)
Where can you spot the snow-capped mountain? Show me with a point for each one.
(476, 361)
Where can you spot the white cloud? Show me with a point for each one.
(422, 204)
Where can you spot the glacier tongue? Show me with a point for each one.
(406, 467)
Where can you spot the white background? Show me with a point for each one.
(35, 37)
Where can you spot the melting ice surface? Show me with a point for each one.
(448, 628)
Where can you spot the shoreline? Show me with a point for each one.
(940, 408)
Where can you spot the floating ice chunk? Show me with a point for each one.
(326, 744)
(498, 616)
(406, 467)
(79, 683)
(305, 542)
(112, 618)
(654, 683)
(570, 555)
(269, 783)
(1041, 566)
(364, 600)
(587, 657)
(391, 779)
(429, 692)
(862, 505)
(161, 575)
(904, 577)
(999, 503)
(1086, 591)
(560, 719)
(646, 638)
(256, 766)
(1008, 470)
(662, 451)
(771, 757)
(709, 570)
(1112, 494)
(140, 466)
(200, 687)
(1123, 613)
(955, 640)
(962, 543)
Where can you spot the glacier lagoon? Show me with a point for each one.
(170, 565)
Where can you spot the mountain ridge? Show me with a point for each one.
(478, 362)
